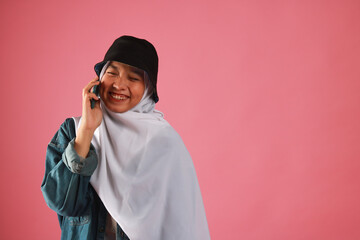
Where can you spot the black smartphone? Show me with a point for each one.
(95, 90)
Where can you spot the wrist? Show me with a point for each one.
(87, 128)
(82, 142)
(85, 132)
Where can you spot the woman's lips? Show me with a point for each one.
(118, 97)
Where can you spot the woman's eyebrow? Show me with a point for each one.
(113, 66)
(137, 71)
(132, 69)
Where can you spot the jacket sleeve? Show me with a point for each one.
(65, 191)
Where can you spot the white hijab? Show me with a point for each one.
(145, 176)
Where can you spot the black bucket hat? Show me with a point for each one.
(135, 52)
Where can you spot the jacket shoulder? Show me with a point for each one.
(65, 133)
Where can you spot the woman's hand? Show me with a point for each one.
(90, 120)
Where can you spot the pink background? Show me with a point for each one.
(265, 95)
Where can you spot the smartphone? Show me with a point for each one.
(96, 90)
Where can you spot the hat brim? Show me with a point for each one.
(98, 67)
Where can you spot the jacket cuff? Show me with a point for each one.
(76, 164)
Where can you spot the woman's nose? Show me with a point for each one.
(120, 82)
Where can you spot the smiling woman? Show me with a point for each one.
(120, 171)
(122, 86)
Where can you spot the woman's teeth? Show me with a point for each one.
(118, 97)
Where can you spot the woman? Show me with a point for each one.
(121, 171)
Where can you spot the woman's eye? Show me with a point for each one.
(111, 73)
(134, 79)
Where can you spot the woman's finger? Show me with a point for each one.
(91, 84)
(91, 95)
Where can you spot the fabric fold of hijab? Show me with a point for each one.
(145, 176)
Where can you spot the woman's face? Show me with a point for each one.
(122, 87)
